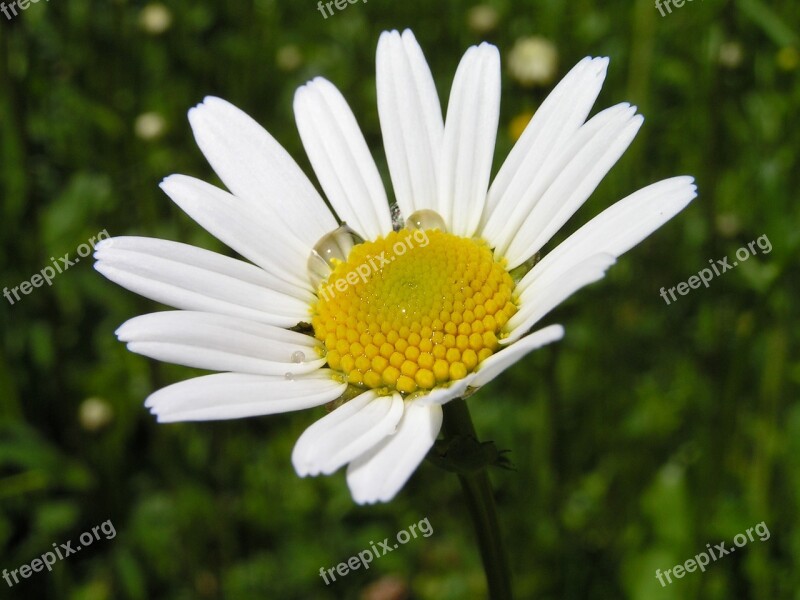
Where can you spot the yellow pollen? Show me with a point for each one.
(413, 310)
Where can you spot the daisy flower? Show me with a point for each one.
(391, 316)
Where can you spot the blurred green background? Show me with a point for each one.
(647, 433)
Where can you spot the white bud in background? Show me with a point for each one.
(533, 61)
(730, 54)
(482, 18)
(155, 18)
(149, 126)
(94, 414)
(288, 58)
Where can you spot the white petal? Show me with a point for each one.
(469, 136)
(246, 229)
(538, 300)
(411, 120)
(191, 278)
(552, 166)
(553, 124)
(341, 159)
(379, 474)
(237, 395)
(500, 361)
(257, 169)
(594, 150)
(346, 433)
(220, 343)
(494, 365)
(616, 230)
(443, 395)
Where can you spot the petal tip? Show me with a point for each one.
(103, 245)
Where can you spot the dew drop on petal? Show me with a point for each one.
(332, 248)
(426, 219)
(298, 356)
(289, 376)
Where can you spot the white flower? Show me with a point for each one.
(426, 327)
(94, 414)
(155, 18)
(149, 126)
(533, 61)
(482, 18)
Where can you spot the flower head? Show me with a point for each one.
(533, 61)
(392, 320)
(155, 18)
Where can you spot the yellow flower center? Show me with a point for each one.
(413, 310)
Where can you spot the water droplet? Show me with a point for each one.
(425, 219)
(332, 248)
(289, 376)
(298, 356)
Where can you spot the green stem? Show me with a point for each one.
(480, 501)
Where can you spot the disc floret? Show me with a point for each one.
(413, 310)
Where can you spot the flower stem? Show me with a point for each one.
(479, 498)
